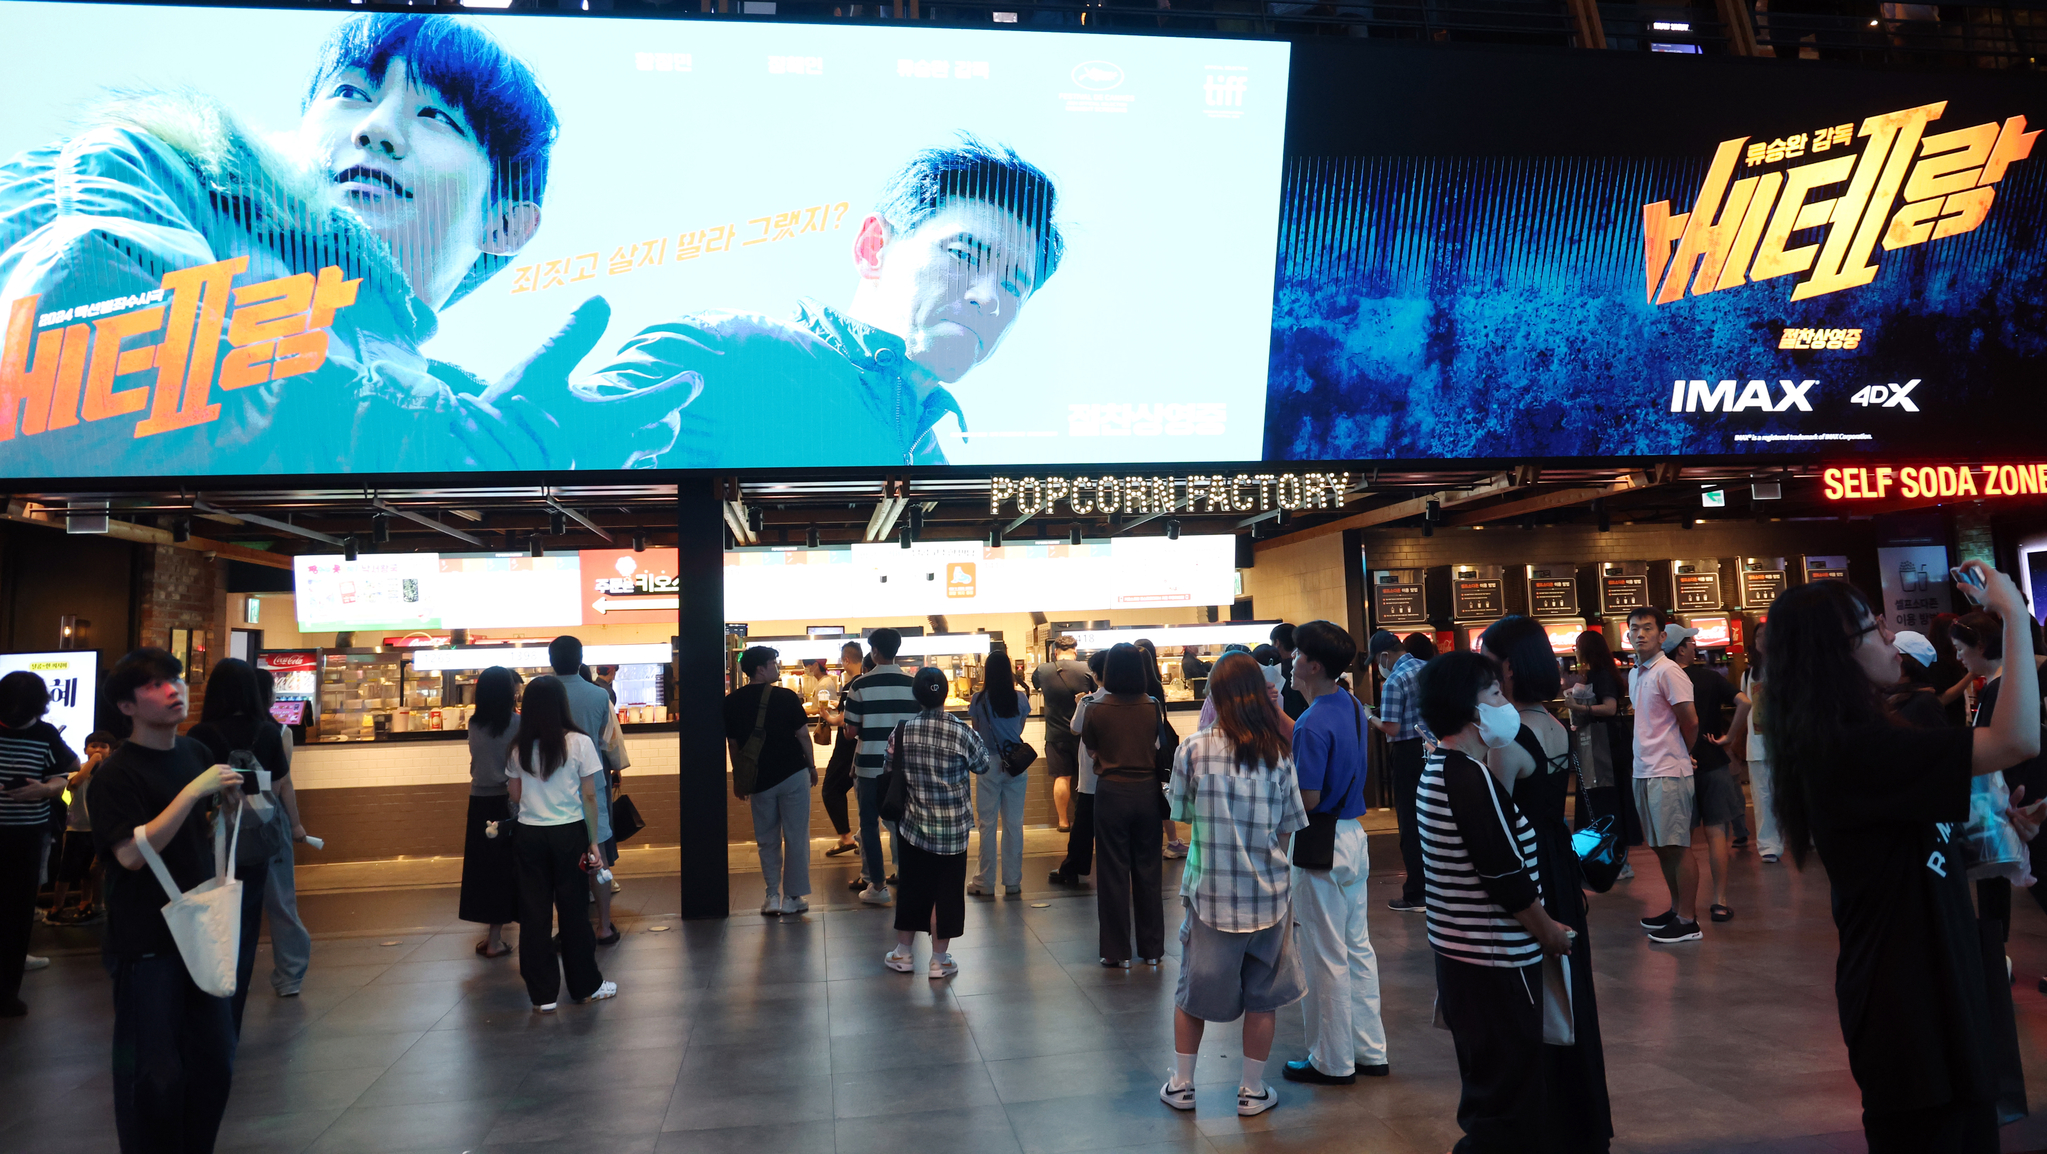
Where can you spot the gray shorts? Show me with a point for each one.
(1223, 975)
(1719, 797)
(1665, 806)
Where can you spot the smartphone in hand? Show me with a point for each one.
(1972, 585)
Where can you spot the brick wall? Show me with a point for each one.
(183, 589)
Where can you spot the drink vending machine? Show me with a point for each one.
(1478, 596)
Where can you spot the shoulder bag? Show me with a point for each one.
(895, 785)
(1315, 846)
(1598, 846)
(746, 762)
(205, 921)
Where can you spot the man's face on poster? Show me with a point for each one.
(952, 286)
(409, 164)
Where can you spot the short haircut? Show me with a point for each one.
(884, 643)
(1662, 617)
(1449, 686)
(1123, 670)
(1282, 635)
(930, 686)
(23, 698)
(98, 737)
(565, 654)
(1980, 630)
(1095, 662)
(496, 92)
(1065, 641)
(852, 645)
(1267, 655)
(145, 666)
(1323, 643)
(1419, 646)
(1522, 645)
(972, 170)
(1384, 641)
(757, 656)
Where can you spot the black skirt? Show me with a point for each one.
(490, 878)
(932, 883)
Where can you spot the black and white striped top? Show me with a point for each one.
(29, 755)
(1478, 853)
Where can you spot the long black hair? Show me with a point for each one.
(1000, 687)
(1818, 692)
(544, 725)
(1521, 644)
(1153, 685)
(497, 692)
(231, 691)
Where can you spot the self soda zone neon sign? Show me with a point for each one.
(1888, 482)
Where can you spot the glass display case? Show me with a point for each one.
(368, 695)
(359, 690)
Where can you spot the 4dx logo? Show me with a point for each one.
(1891, 396)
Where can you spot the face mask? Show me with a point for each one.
(1498, 724)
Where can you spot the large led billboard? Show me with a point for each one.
(246, 242)
(1637, 255)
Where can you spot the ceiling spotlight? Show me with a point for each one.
(557, 523)
(917, 518)
(181, 529)
(1428, 527)
(348, 548)
(907, 537)
(995, 537)
(534, 546)
(380, 529)
(1073, 534)
(1433, 511)
(756, 518)
(1172, 529)
(1283, 517)
(813, 538)
(639, 542)
(1599, 514)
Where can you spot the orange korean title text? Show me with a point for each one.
(1905, 187)
(69, 371)
(1886, 482)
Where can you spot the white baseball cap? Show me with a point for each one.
(1915, 645)
(1676, 635)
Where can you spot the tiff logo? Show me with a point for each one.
(1224, 91)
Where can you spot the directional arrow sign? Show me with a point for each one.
(635, 604)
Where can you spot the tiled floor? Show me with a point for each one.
(775, 1036)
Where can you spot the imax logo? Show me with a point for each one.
(1699, 397)
(1224, 91)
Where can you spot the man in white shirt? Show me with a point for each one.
(1666, 726)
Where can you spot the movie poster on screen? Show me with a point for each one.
(739, 244)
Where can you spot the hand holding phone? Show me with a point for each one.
(1970, 580)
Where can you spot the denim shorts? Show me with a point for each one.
(1223, 975)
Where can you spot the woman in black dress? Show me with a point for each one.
(490, 878)
(1537, 767)
(1886, 807)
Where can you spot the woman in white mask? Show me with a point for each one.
(1487, 924)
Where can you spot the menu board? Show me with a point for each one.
(1760, 587)
(1401, 603)
(1478, 599)
(1552, 595)
(1698, 590)
(1621, 592)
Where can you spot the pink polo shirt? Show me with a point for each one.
(1656, 688)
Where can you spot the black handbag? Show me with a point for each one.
(895, 788)
(625, 817)
(1598, 844)
(1018, 757)
(1315, 846)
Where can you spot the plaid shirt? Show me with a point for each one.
(1237, 870)
(939, 752)
(1401, 703)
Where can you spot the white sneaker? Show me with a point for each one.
(606, 990)
(549, 1008)
(35, 963)
(617, 887)
(978, 890)
(793, 905)
(875, 895)
(1181, 1098)
(900, 963)
(942, 966)
(1249, 1104)
(771, 907)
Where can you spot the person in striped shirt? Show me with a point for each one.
(34, 763)
(1485, 915)
(875, 702)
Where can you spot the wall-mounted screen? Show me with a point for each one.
(241, 242)
(72, 676)
(484, 590)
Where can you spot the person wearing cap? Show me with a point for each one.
(1718, 798)
(1916, 698)
(1400, 719)
(1666, 725)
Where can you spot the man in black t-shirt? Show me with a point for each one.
(1063, 683)
(1718, 798)
(34, 762)
(785, 769)
(174, 1044)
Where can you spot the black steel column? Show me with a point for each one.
(700, 693)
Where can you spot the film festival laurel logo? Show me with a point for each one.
(1905, 187)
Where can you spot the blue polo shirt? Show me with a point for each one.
(1329, 753)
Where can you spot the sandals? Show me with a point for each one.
(1721, 913)
(836, 850)
(483, 949)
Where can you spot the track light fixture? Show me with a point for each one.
(756, 519)
(1073, 534)
(995, 537)
(813, 538)
(557, 524)
(1433, 511)
(1428, 527)
(181, 530)
(380, 529)
(534, 546)
(348, 548)
(639, 542)
(917, 518)
(1172, 529)
(1599, 514)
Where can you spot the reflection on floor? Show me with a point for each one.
(786, 1036)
